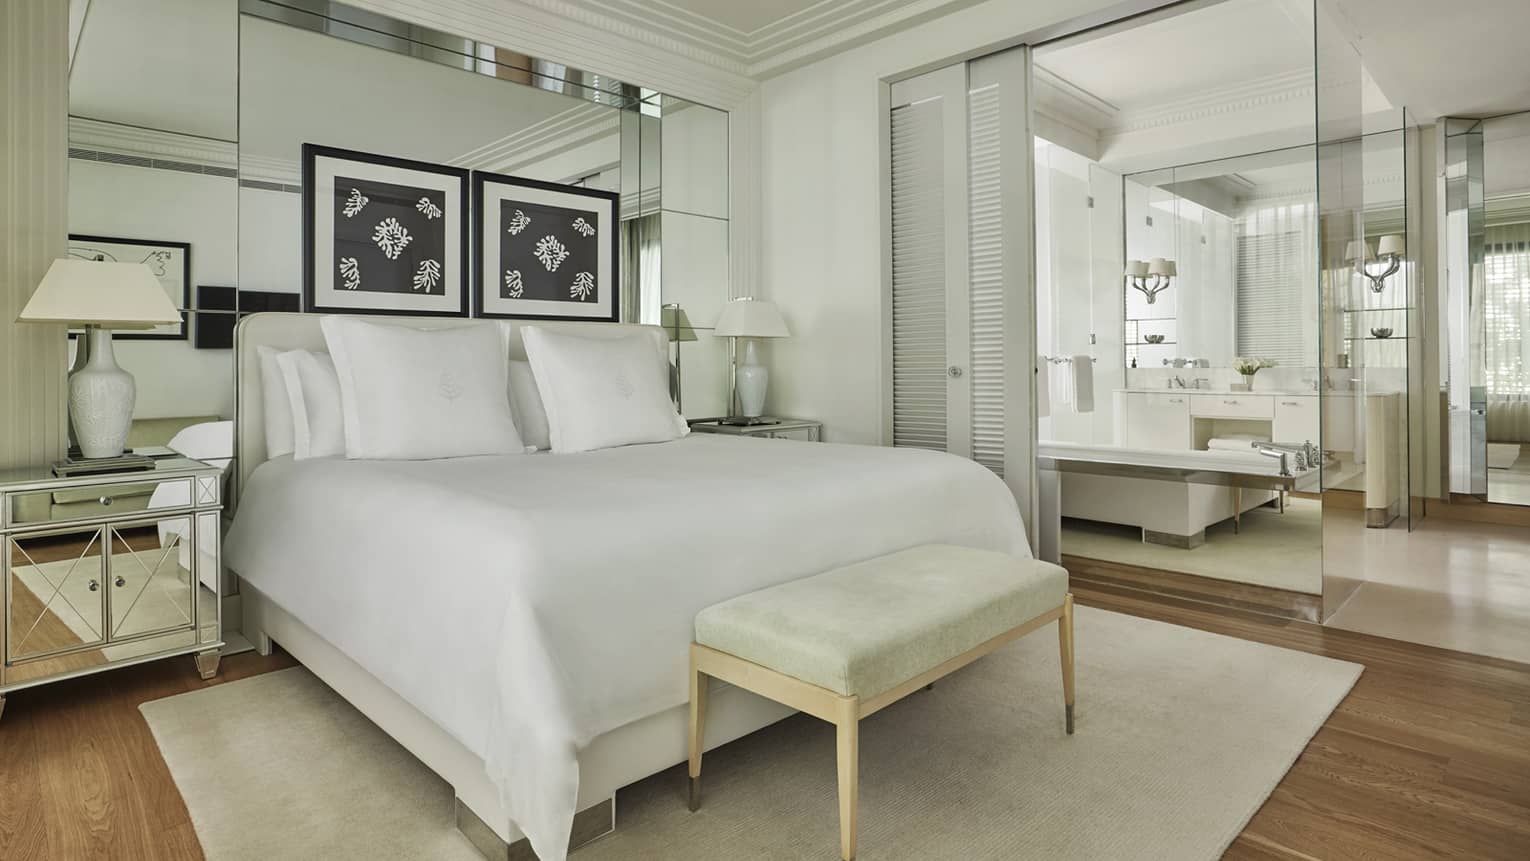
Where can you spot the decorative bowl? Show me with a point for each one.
(1381, 332)
(1153, 339)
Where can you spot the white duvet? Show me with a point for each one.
(530, 603)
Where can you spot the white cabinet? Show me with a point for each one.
(1297, 420)
(1339, 422)
(1231, 406)
(1153, 420)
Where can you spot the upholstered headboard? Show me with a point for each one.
(302, 331)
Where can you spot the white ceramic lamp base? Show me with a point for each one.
(101, 397)
(751, 379)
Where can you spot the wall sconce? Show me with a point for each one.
(1390, 250)
(1161, 272)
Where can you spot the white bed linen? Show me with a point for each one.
(528, 604)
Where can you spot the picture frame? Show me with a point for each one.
(545, 251)
(170, 262)
(383, 235)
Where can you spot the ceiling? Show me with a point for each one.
(1446, 59)
(1178, 56)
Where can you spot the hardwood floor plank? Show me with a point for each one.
(23, 833)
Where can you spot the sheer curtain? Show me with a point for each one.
(1506, 312)
(1506, 267)
(1277, 314)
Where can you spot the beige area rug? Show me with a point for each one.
(1181, 735)
(1280, 551)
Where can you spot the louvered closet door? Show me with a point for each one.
(930, 331)
(963, 299)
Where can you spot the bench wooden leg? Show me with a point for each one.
(847, 725)
(698, 730)
(1065, 647)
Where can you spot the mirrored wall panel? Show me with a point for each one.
(153, 179)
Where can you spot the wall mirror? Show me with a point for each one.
(1504, 315)
(153, 178)
(207, 182)
(1220, 266)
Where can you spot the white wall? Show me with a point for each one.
(174, 379)
(821, 233)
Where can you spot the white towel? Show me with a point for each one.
(1231, 443)
(1081, 373)
(1043, 387)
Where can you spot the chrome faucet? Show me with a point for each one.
(1177, 381)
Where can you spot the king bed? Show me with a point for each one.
(521, 623)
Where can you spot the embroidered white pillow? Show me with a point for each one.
(526, 406)
(602, 392)
(313, 395)
(274, 403)
(414, 394)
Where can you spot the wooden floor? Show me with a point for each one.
(1428, 757)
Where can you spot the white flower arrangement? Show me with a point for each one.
(1250, 365)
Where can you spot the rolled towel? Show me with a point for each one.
(1238, 442)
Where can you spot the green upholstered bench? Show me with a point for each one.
(846, 643)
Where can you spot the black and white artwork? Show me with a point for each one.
(544, 250)
(169, 261)
(383, 235)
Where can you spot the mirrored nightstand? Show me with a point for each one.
(103, 571)
(770, 428)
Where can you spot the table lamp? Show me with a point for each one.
(750, 319)
(100, 296)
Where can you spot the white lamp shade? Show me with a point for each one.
(111, 295)
(1136, 268)
(1391, 244)
(750, 318)
(1160, 266)
(1358, 251)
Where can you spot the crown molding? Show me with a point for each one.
(278, 171)
(645, 29)
(562, 131)
(152, 144)
(583, 37)
(1248, 95)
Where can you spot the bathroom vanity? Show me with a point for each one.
(1189, 418)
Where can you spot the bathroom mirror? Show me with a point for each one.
(1219, 265)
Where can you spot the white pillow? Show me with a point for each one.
(526, 406)
(313, 391)
(209, 442)
(273, 395)
(603, 392)
(412, 394)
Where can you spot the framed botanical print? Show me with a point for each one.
(383, 235)
(169, 261)
(544, 250)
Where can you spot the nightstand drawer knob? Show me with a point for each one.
(105, 500)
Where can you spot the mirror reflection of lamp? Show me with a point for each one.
(1151, 277)
(1389, 250)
